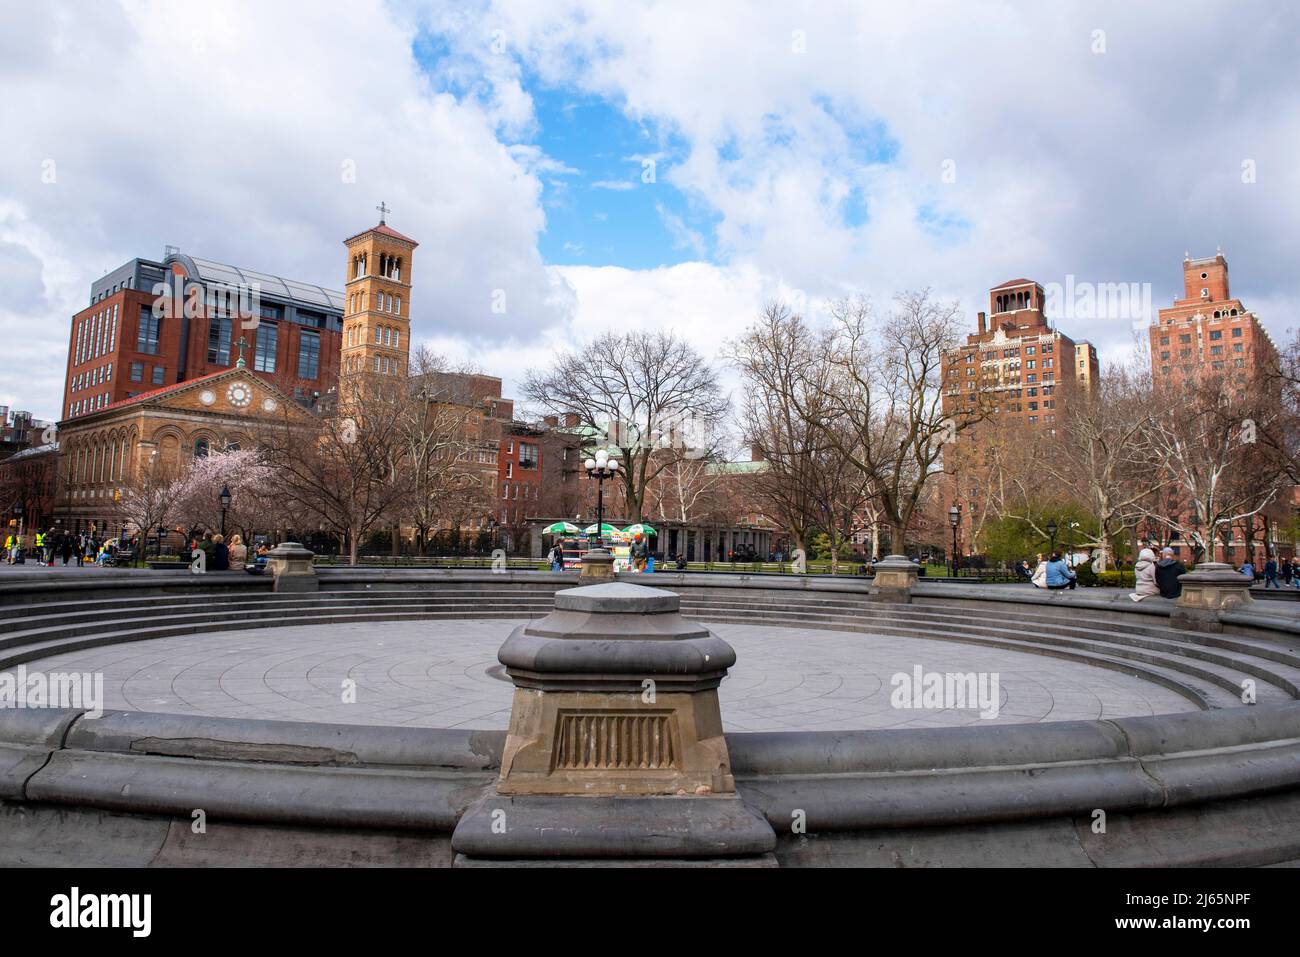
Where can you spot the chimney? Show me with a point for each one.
(570, 420)
(552, 420)
(756, 454)
(980, 319)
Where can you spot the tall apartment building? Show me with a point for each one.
(120, 346)
(1018, 371)
(1208, 330)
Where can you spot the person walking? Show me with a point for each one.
(1144, 576)
(1286, 570)
(1167, 571)
(65, 547)
(238, 553)
(1270, 573)
(1059, 574)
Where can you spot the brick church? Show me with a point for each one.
(172, 359)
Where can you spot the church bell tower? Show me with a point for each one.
(377, 301)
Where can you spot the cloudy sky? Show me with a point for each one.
(624, 165)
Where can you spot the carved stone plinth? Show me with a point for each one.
(597, 566)
(615, 747)
(895, 577)
(615, 693)
(291, 567)
(1210, 589)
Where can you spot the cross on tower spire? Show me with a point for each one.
(241, 363)
(383, 211)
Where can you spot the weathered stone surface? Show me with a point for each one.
(597, 566)
(894, 579)
(1210, 589)
(615, 693)
(27, 738)
(291, 568)
(501, 826)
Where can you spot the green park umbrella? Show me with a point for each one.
(605, 529)
(561, 528)
(639, 529)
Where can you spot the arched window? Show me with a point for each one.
(201, 449)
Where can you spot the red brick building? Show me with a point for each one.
(121, 346)
(1016, 371)
(1208, 330)
(1210, 333)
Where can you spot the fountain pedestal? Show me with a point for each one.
(615, 747)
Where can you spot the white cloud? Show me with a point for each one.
(198, 126)
(215, 136)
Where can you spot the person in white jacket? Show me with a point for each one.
(1145, 572)
(1039, 577)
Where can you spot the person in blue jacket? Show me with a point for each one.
(1059, 574)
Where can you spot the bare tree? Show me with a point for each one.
(346, 473)
(644, 393)
(1204, 438)
(779, 359)
(439, 447)
(151, 496)
(880, 405)
(1098, 456)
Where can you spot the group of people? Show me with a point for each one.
(1157, 576)
(52, 544)
(1153, 576)
(1052, 572)
(221, 557)
(643, 560)
(1286, 570)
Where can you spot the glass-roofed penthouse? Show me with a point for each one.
(122, 346)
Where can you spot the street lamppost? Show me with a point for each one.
(954, 519)
(18, 514)
(224, 498)
(162, 530)
(600, 468)
(1227, 541)
(1051, 533)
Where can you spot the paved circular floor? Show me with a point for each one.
(445, 674)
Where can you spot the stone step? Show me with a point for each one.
(1165, 639)
(1225, 677)
(1224, 671)
(288, 604)
(1205, 695)
(1205, 669)
(1278, 662)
